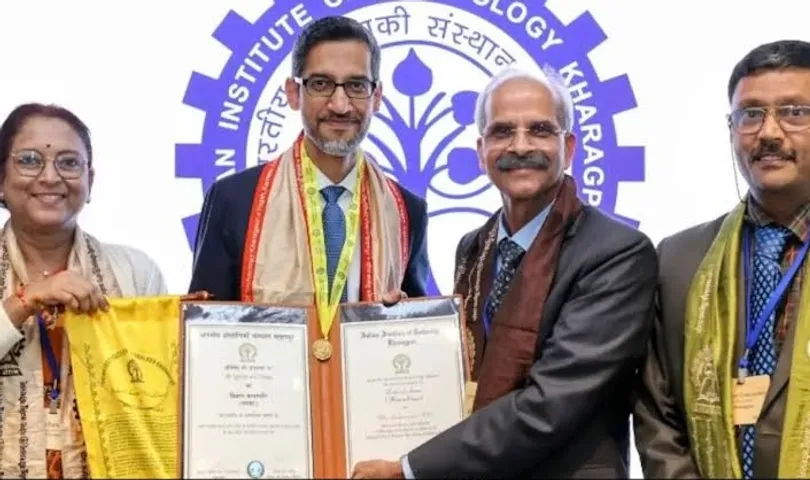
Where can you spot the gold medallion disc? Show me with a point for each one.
(322, 349)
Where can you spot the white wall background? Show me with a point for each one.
(124, 67)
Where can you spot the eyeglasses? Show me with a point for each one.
(321, 86)
(538, 132)
(791, 118)
(31, 163)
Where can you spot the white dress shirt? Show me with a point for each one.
(344, 201)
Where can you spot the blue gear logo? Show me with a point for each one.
(437, 55)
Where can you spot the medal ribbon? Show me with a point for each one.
(326, 301)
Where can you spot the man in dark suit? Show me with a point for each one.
(323, 218)
(718, 399)
(558, 302)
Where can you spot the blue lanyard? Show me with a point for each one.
(52, 363)
(752, 334)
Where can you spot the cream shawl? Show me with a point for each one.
(22, 415)
(277, 267)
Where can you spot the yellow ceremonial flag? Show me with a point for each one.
(125, 369)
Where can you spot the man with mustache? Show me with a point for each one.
(558, 300)
(321, 224)
(726, 387)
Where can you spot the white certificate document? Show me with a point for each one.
(403, 384)
(246, 394)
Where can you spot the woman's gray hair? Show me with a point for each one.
(547, 77)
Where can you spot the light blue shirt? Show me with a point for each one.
(523, 237)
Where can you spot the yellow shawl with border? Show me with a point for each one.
(711, 333)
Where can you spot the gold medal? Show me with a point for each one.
(322, 349)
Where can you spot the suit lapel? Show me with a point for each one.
(782, 374)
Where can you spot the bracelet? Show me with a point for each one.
(21, 297)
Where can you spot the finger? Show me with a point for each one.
(61, 298)
(83, 302)
(83, 292)
(97, 300)
(89, 295)
(390, 299)
(92, 303)
(74, 304)
(105, 304)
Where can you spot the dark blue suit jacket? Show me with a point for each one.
(223, 227)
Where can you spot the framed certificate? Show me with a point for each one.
(403, 375)
(246, 410)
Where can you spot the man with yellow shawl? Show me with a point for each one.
(322, 224)
(726, 387)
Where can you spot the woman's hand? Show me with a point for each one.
(65, 288)
(69, 289)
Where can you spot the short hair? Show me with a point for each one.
(333, 29)
(15, 120)
(547, 77)
(778, 55)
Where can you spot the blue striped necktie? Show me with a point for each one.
(766, 273)
(334, 230)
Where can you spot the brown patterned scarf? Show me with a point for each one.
(510, 349)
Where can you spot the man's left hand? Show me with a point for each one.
(378, 469)
(393, 297)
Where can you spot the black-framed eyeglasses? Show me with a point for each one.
(322, 86)
(31, 163)
(791, 118)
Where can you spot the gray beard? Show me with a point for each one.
(338, 148)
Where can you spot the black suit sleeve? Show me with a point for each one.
(599, 339)
(661, 435)
(415, 282)
(215, 268)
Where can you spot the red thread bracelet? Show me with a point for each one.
(21, 296)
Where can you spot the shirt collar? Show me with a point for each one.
(349, 182)
(526, 235)
(799, 225)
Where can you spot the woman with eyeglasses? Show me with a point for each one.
(48, 264)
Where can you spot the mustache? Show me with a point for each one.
(772, 150)
(512, 161)
(340, 118)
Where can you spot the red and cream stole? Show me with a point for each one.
(276, 263)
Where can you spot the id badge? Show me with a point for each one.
(53, 430)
